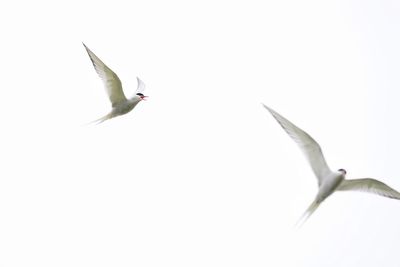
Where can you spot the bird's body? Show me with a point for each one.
(120, 104)
(328, 181)
(329, 185)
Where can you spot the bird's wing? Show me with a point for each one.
(111, 81)
(140, 87)
(307, 144)
(369, 185)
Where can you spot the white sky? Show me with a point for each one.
(200, 174)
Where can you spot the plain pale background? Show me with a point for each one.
(200, 174)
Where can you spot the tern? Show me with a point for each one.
(328, 181)
(120, 104)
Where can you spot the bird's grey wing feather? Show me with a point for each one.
(111, 81)
(369, 185)
(141, 86)
(307, 144)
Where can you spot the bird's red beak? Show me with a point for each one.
(143, 97)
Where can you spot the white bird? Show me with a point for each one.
(120, 104)
(328, 181)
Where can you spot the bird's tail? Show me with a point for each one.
(311, 209)
(102, 119)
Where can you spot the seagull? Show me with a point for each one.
(120, 104)
(328, 181)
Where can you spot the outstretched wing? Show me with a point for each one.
(141, 86)
(307, 144)
(369, 185)
(111, 81)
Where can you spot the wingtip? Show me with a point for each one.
(87, 48)
(141, 86)
(266, 107)
(139, 81)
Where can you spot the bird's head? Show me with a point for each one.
(141, 96)
(343, 171)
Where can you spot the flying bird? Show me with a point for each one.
(328, 181)
(120, 104)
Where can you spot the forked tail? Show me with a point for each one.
(102, 119)
(311, 209)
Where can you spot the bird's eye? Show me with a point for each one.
(140, 94)
(342, 170)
